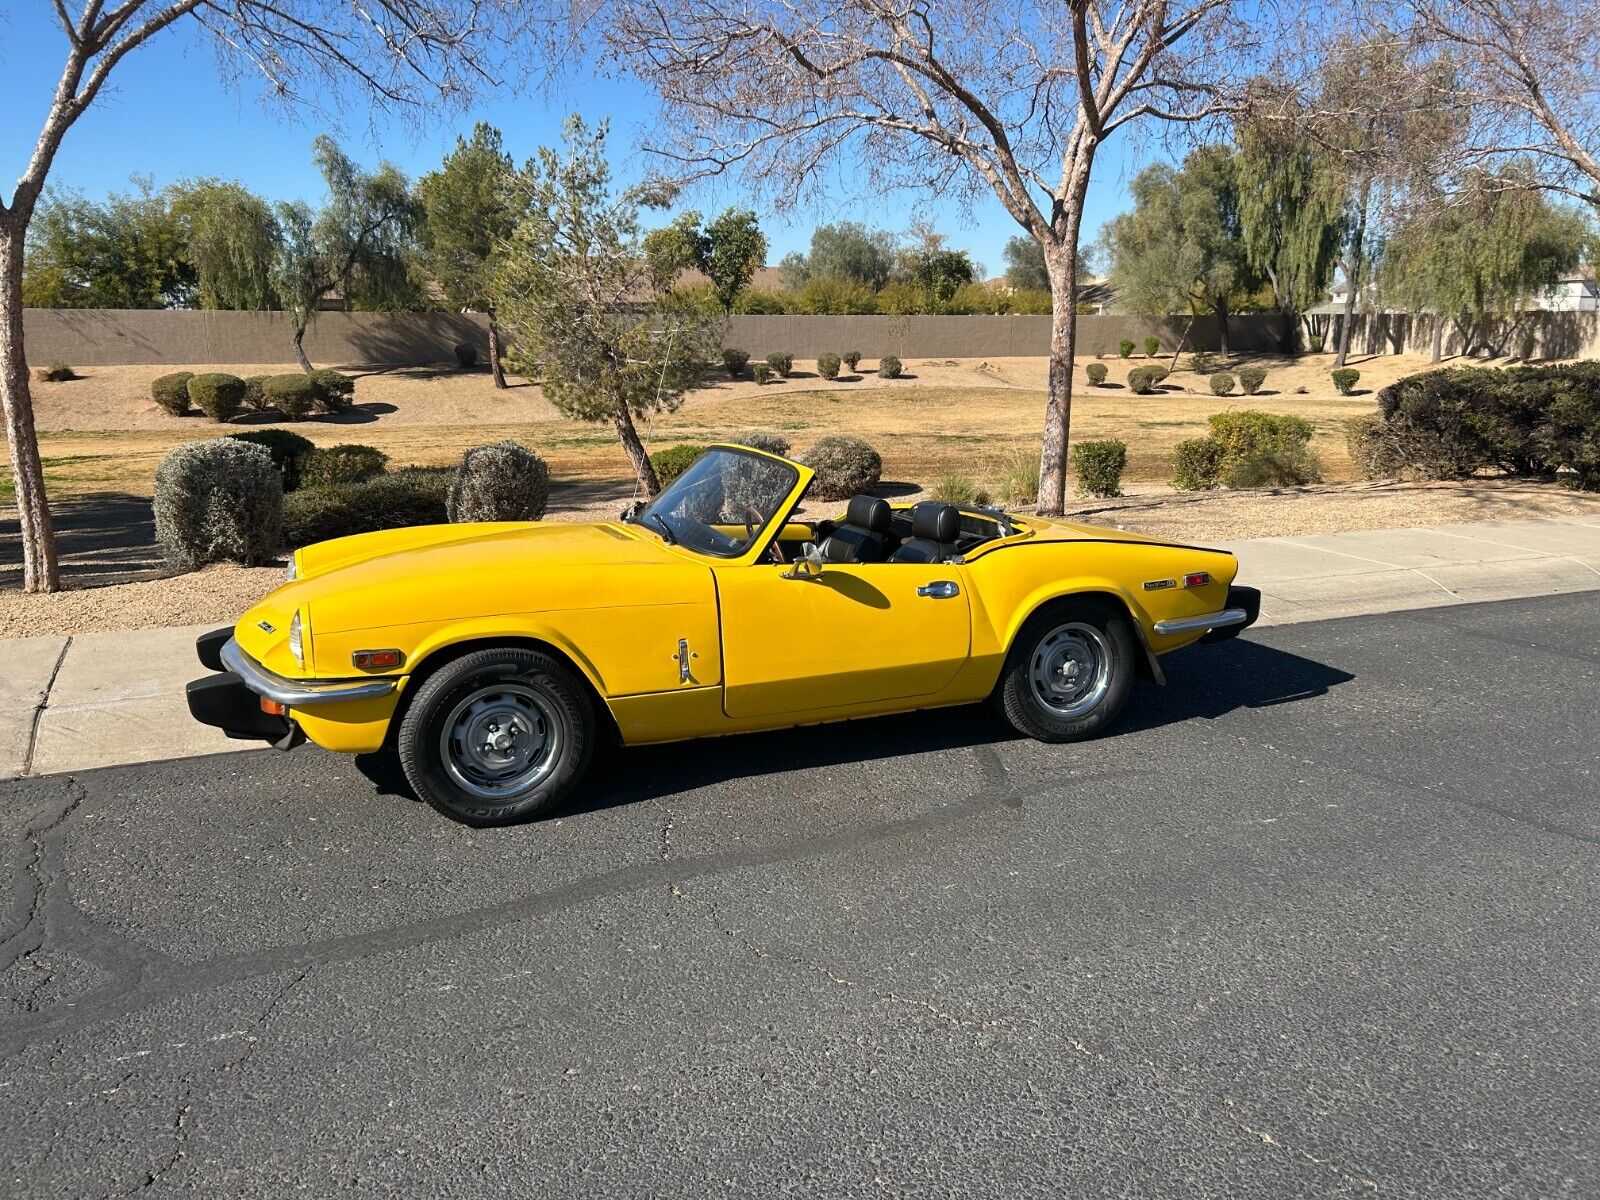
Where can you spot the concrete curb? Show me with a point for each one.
(102, 699)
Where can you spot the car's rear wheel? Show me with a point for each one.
(497, 736)
(1069, 671)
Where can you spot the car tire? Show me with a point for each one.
(497, 737)
(1069, 671)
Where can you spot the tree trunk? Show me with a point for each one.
(1352, 277)
(1061, 265)
(40, 572)
(496, 368)
(1222, 327)
(1438, 337)
(299, 349)
(643, 468)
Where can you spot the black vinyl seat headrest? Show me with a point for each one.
(936, 521)
(868, 512)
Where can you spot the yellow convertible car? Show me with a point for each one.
(491, 659)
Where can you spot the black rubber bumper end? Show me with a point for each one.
(1247, 598)
(208, 647)
(224, 702)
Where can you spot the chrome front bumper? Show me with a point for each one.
(298, 693)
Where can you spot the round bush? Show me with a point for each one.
(1222, 383)
(397, 499)
(341, 464)
(218, 501)
(845, 466)
(499, 482)
(1125, 347)
(1292, 466)
(772, 443)
(288, 451)
(889, 367)
(781, 363)
(219, 396)
(335, 391)
(734, 361)
(1099, 466)
(255, 399)
(1152, 347)
(295, 396)
(1096, 371)
(1142, 381)
(171, 392)
(466, 355)
(1197, 465)
(1345, 379)
(1251, 379)
(852, 358)
(761, 372)
(674, 461)
(828, 365)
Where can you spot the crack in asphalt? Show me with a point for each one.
(39, 708)
(134, 990)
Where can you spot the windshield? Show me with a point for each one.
(721, 504)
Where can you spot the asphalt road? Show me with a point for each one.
(1320, 919)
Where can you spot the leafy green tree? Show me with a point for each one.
(1181, 246)
(608, 338)
(232, 240)
(359, 243)
(727, 251)
(847, 250)
(1025, 266)
(928, 264)
(468, 208)
(1489, 250)
(127, 251)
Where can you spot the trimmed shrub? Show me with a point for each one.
(341, 464)
(1248, 434)
(1293, 466)
(1152, 347)
(466, 355)
(828, 365)
(410, 496)
(760, 372)
(772, 443)
(1143, 380)
(1251, 379)
(218, 501)
(288, 451)
(1125, 347)
(255, 398)
(1096, 371)
(1374, 453)
(295, 396)
(56, 372)
(674, 461)
(171, 392)
(852, 358)
(889, 367)
(845, 466)
(218, 395)
(781, 363)
(335, 391)
(1197, 464)
(502, 481)
(1345, 379)
(1099, 466)
(1202, 362)
(734, 361)
(1222, 383)
(1019, 478)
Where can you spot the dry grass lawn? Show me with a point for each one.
(945, 417)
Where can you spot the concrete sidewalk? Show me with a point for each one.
(99, 699)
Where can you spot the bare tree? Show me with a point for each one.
(1528, 74)
(1013, 97)
(398, 53)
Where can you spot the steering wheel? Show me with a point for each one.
(754, 518)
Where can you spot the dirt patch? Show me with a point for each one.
(216, 594)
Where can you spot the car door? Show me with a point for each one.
(851, 635)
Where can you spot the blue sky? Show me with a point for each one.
(167, 116)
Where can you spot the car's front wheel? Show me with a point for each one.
(1069, 671)
(497, 736)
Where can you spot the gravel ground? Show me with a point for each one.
(221, 593)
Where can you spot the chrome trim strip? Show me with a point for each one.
(1221, 620)
(297, 693)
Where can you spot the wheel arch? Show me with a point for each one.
(1146, 666)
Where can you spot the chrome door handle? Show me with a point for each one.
(939, 589)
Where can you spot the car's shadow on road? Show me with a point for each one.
(1203, 682)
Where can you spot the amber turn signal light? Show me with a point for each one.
(377, 660)
(273, 709)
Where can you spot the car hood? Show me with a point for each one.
(450, 572)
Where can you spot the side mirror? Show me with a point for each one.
(807, 564)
